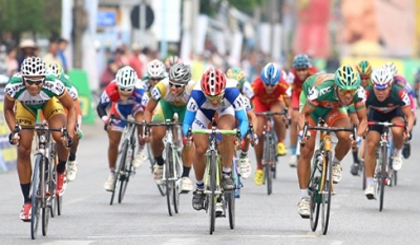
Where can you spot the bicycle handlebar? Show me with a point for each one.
(271, 113)
(307, 127)
(387, 124)
(44, 127)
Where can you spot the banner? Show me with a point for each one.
(80, 80)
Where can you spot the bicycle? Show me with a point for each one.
(269, 160)
(44, 198)
(173, 162)
(381, 176)
(125, 160)
(213, 177)
(320, 184)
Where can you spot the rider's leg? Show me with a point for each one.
(293, 137)
(114, 137)
(259, 148)
(227, 121)
(343, 144)
(372, 141)
(279, 127)
(398, 140)
(139, 156)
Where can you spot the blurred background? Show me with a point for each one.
(93, 38)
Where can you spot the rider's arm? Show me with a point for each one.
(189, 117)
(304, 113)
(243, 121)
(9, 112)
(239, 104)
(409, 116)
(363, 123)
(151, 105)
(156, 95)
(69, 104)
(252, 117)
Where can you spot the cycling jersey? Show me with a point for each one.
(233, 103)
(162, 92)
(282, 88)
(248, 93)
(296, 85)
(27, 106)
(145, 79)
(402, 82)
(319, 92)
(398, 98)
(122, 108)
(71, 89)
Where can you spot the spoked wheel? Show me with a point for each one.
(176, 192)
(45, 218)
(382, 176)
(314, 203)
(45, 204)
(53, 186)
(326, 192)
(161, 188)
(212, 196)
(269, 178)
(170, 184)
(230, 199)
(123, 173)
(36, 205)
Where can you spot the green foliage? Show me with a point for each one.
(30, 15)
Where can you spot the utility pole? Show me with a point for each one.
(78, 33)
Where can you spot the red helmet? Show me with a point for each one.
(213, 82)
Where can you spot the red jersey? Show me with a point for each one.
(282, 88)
(294, 80)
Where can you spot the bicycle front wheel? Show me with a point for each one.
(169, 172)
(326, 192)
(36, 205)
(45, 199)
(382, 175)
(230, 199)
(212, 196)
(126, 172)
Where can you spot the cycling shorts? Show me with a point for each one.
(26, 115)
(165, 110)
(383, 117)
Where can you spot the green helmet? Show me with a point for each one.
(364, 68)
(236, 74)
(346, 78)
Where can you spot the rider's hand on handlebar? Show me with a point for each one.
(355, 143)
(407, 136)
(302, 140)
(14, 138)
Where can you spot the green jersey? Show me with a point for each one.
(71, 89)
(319, 92)
(16, 90)
(398, 97)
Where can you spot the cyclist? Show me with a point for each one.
(126, 95)
(246, 90)
(26, 93)
(156, 72)
(301, 70)
(402, 82)
(268, 89)
(55, 70)
(214, 94)
(387, 102)
(365, 70)
(324, 96)
(172, 60)
(168, 97)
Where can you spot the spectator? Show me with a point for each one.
(28, 49)
(62, 46)
(52, 56)
(134, 60)
(11, 62)
(108, 74)
(145, 58)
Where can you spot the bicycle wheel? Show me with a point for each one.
(169, 172)
(176, 190)
(212, 195)
(36, 205)
(326, 192)
(274, 158)
(230, 199)
(314, 203)
(382, 175)
(45, 205)
(118, 171)
(362, 164)
(127, 170)
(53, 186)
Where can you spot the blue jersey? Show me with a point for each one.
(233, 97)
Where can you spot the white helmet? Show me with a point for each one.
(126, 77)
(391, 67)
(156, 69)
(382, 78)
(53, 68)
(33, 67)
(180, 73)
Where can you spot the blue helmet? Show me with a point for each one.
(270, 74)
(301, 61)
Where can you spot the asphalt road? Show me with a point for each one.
(142, 218)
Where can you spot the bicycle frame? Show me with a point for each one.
(212, 151)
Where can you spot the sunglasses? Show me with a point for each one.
(345, 91)
(126, 90)
(36, 82)
(215, 98)
(156, 79)
(301, 70)
(367, 77)
(176, 85)
(270, 85)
